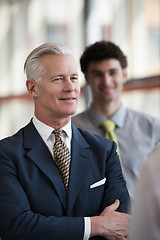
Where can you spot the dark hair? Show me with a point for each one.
(99, 51)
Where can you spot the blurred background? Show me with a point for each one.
(134, 25)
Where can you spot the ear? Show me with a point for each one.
(31, 87)
(124, 75)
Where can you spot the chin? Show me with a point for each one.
(72, 113)
(69, 113)
(71, 110)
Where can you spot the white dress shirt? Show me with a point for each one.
(46, 132)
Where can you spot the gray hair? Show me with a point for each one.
(33, 66)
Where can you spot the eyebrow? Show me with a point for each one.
(62, 75)
(98, 70)
(74, 74)
(95, 71)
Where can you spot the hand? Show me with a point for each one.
(111, 224)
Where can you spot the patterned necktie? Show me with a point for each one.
(109, 127)
(62, 157)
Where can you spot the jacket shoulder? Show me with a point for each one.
(96, 141)
(14, 142)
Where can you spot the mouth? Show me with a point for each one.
(106, 89)
(68, 99)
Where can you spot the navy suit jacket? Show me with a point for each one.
(33, 201)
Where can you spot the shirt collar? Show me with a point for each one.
(96, 117)
(118, 118)
(45, 130)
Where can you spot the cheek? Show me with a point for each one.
(96, 84)
(42, 90)
(47, 96)
(93, 82)
(77, 89)
(94, 87)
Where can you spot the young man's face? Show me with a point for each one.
(106, 79)
(56, 95)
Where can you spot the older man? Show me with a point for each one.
(58, 182)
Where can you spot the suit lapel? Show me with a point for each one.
(38, 152)
(81, 156)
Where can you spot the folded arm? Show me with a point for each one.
(110, 224)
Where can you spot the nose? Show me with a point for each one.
(106, 79)
(68, 85)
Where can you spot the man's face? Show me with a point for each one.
(58, 91)
(106, 79)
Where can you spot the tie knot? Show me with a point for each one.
(108, 125)
(57, 133)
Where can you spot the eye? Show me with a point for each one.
(74, 78)
(97, 74)
(113, 72)
(57, 79)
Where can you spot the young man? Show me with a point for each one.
(58, 182)
(104, 66)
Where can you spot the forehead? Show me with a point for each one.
(104, 65)
(59, 62)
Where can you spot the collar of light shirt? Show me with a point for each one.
(46, 132)
(118, 117)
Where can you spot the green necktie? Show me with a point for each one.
(109, 127)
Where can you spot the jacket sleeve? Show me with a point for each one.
(115, 184)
